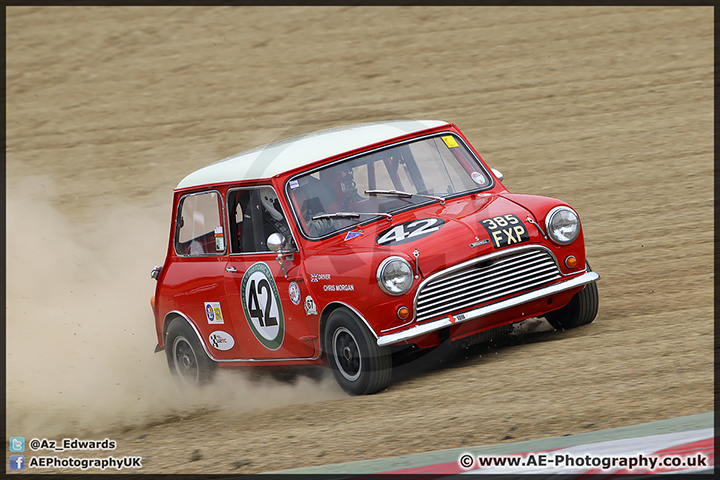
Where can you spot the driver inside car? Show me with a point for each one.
(313, 196)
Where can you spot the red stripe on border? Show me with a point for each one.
(704, 447)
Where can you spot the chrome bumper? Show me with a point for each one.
(448, 321)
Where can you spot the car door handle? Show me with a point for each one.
(231, 269)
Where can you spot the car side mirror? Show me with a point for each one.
(498, 174)
(275, 242)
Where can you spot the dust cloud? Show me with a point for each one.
(80, 332)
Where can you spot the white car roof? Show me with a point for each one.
(278, 157)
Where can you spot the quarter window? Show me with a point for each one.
(199, 228)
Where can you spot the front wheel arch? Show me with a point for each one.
(359, 365)
(581, 310)
(325, 315)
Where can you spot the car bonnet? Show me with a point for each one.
(442, 235)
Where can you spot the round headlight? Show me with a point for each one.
(563, 225)
(394, 275)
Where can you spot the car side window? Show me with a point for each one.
(255, 214)
(199, 230)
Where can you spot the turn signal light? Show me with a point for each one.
(570, 261)
(403, 313)
(152, 301)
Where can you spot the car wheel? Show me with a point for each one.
(581, 310)
(185, 356)
(359, 365)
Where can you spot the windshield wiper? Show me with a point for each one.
(400, 193)
(350, 215)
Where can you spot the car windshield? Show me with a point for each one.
(380, 183)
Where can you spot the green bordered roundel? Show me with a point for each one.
(262, 307)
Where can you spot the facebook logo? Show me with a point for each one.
(17, 462)
(17, 444)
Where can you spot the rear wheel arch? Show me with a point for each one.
(175, 315)
(166, 323)
(186, 353)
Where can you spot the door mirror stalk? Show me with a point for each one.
(275, 242)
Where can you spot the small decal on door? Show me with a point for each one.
(294, 292)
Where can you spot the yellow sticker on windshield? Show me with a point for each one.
(450, 141)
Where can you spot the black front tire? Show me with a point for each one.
(581, 310)
(185, 356)
(359, 365)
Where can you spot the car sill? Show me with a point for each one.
(448, 321)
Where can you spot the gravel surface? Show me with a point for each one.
(607, 108)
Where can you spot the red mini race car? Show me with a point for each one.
(344, 245)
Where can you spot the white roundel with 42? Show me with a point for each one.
(262, 307)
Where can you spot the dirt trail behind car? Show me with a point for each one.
(609, 109)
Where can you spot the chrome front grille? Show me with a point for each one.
(482, 281)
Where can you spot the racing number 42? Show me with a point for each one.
(262, 307)
(265, 319)
(505, 230)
